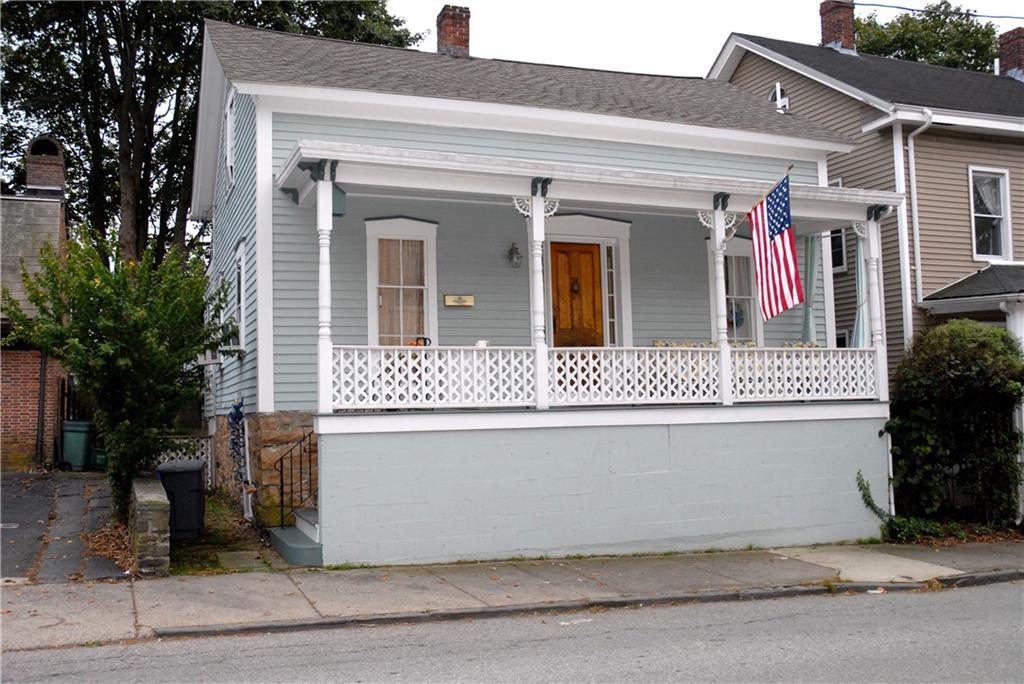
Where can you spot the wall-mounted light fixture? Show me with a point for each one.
(515, 259)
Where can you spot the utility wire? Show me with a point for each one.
(927, 11)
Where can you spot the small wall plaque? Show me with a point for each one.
(459, 300)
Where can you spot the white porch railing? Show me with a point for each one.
(432, 377)
(803, 374)
(610, 375)
(472, 377)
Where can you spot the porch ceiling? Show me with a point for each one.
(816, 207)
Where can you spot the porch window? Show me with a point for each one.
(989, 213)
(401, 295)
(401, 282)
(609, 251)
(739, 298)
(837, 241)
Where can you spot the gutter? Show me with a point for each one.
(915, 218)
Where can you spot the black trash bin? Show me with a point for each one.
(183, 482)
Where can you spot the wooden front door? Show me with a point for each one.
(578, 319)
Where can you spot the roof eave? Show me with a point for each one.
(968, 122)
(953, 305)
(500, 116)
(212, 88)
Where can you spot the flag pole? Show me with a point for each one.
(745, 215)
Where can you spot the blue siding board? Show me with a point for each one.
(234, 220)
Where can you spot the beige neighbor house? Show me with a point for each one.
(951, 140)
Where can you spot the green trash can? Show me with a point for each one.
(99, 459)
(77, 443)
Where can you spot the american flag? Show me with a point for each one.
(771, 227)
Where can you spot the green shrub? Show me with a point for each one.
(955, 449)
(130, 332)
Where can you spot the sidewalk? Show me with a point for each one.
(39, 616)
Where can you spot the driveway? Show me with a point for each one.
(43, 517)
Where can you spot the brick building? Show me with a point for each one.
(29, 381)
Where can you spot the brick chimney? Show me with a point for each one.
(44, 166)
(453, 31)
(837, 24)
(1011, 53)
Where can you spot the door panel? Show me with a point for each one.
(576, 298)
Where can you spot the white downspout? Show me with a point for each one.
(903, 235)
(915, 219)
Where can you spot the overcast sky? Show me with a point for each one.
(678, 37)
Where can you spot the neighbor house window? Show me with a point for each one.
(229, 140)
(837, 241)
(990, 213)
(401, 281)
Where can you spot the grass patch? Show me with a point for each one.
(225, 530)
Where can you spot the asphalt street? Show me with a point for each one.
(962, 635)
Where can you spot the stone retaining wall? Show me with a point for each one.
(150, 525)
(271, 435)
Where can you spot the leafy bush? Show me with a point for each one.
(955, 449)
(898, 528)
(130, 332)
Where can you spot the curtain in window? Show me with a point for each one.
(811, 256)
(986, 195)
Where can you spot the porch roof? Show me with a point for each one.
(353, 163)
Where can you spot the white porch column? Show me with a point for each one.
(721, 314)
(874, 243)
(537, 299)
(719, 222)
(325, 346)
(1015, 325)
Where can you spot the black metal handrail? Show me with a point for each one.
(294, 492)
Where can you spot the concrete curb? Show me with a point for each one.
(977, 579)
(754, 594)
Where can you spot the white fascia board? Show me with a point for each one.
(401, 167)
(434, 111)
(965, 121)
(213, 86)
(28, 198)
(970, 304)
(731, 54)
(347, 424)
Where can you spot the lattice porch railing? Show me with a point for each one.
(432, 377)
(608, 375)
(803, 374)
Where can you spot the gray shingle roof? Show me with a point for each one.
(903, 82)
(261, 56)
(998, 279)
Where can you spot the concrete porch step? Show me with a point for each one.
(307, 521)
(295, 546)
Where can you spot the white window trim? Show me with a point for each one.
(736, 247)
(229, 139)
(582, 228)
(401, 228)
(241, 275)
(842, 236)
(1007, 255)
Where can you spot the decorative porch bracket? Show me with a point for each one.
(535, 209)
(723, 227)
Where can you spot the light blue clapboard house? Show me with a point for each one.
(515, 305)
